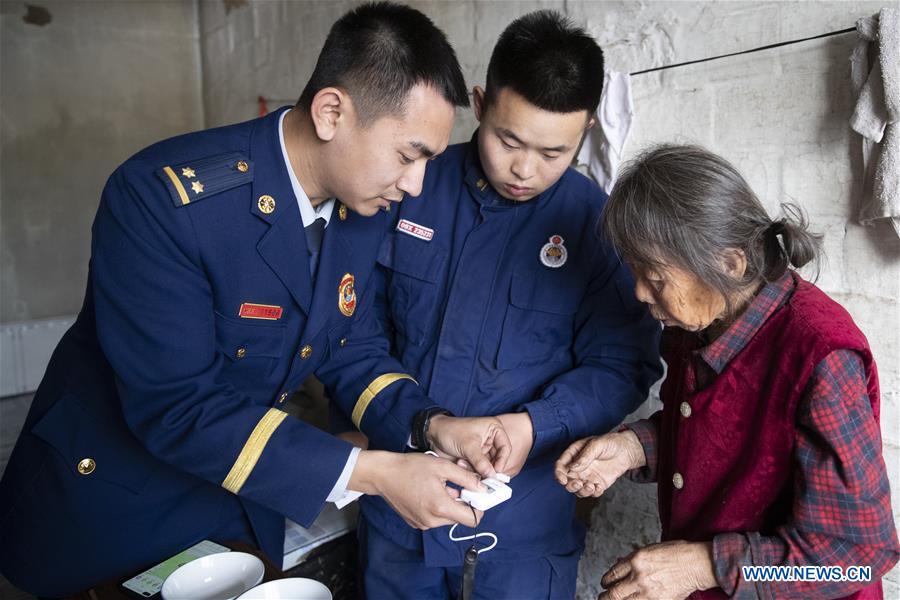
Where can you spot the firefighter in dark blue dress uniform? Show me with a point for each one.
(223, 273)
(503, 301)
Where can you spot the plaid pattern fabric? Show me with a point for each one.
(841, 507)
(647, 431)
(723, 349)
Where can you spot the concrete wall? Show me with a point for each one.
(252, 49)
(83, 85)
(80, 93)
(779, 115)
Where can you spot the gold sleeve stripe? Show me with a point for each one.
(177, 183)
(372, 390)
(252, 450)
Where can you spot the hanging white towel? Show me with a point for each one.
(605, 141)
(876, 114)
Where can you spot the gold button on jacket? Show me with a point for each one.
(266, 204)
(86, 466)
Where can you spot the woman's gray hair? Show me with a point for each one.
(684, 205)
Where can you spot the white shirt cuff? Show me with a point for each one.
(340, 495)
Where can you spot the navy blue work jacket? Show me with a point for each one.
(158, 419)
(499, 306)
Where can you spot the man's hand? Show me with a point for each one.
(669, 571)
(591, 465)
(480, 441)
(415, 485)
(520, 430)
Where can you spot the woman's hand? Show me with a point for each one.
(665, 571)
(591, 465)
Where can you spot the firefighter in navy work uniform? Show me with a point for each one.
(215, 289)
(503, 301)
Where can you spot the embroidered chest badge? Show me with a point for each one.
(554, 253)
(347, 295)
(415, 230)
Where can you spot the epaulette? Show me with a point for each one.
(195, 180)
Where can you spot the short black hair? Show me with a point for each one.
(378, 52)
(550, 62)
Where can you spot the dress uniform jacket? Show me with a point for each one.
(158, 420)
(496, 307)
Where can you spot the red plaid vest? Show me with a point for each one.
(732, 455)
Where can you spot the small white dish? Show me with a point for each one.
(214, 577)
(293, 588)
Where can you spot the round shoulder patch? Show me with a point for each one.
(554, 253)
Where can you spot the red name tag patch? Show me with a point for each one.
(417, 231)
(260, 311)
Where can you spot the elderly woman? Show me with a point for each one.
(767, 450)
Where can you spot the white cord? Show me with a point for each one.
(472, 537)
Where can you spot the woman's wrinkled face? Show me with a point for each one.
(677, 297)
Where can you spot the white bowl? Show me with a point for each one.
(214, 577)
(294, 588)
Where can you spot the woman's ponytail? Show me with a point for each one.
(788, 242)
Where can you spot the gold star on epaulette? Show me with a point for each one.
(197, 187)
(188, 172)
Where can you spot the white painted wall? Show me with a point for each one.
(25, 350)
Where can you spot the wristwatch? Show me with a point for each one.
(420, 423)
